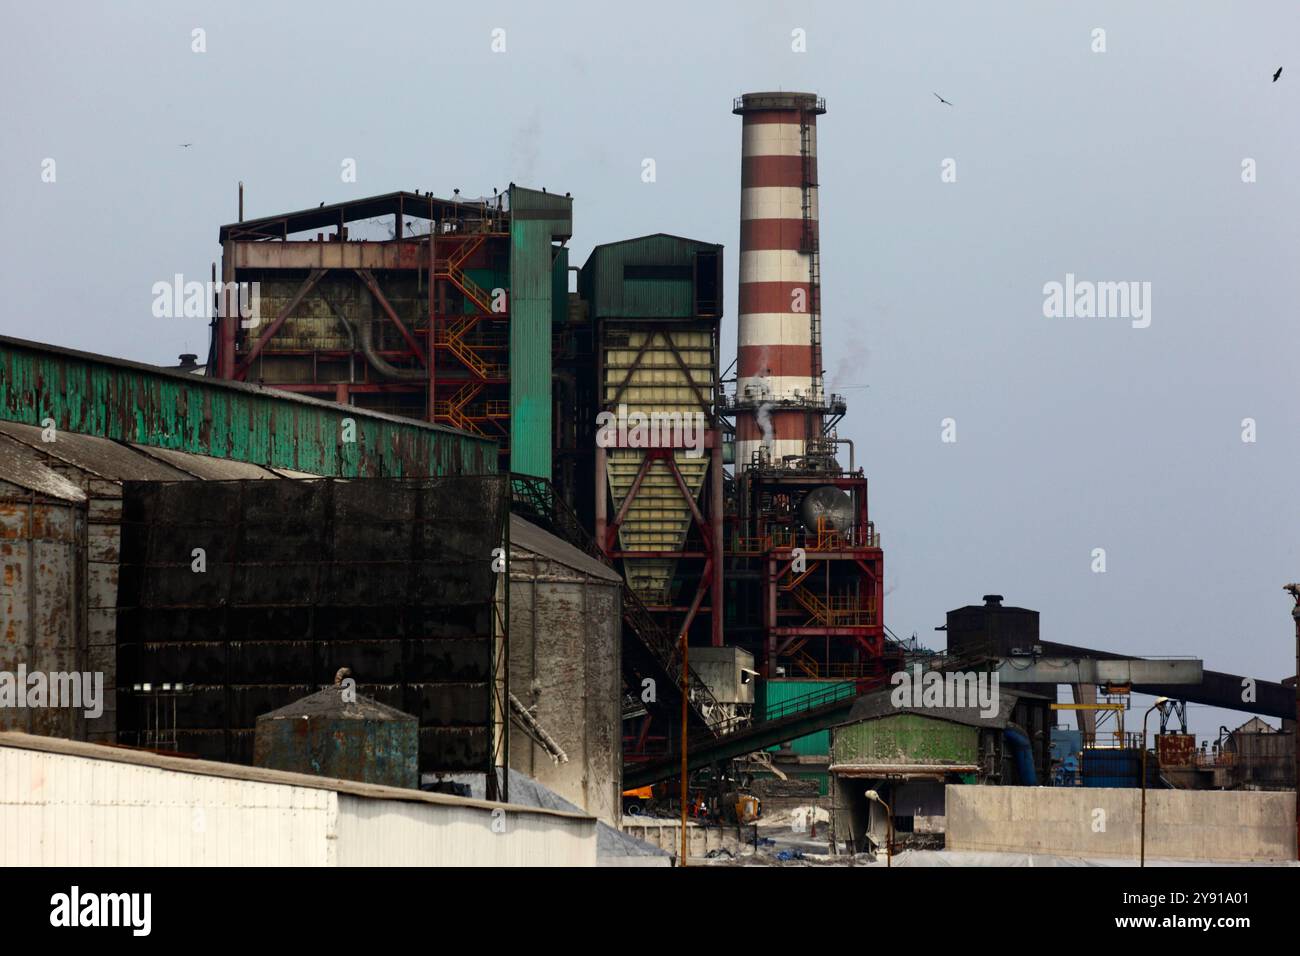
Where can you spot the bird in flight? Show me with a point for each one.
(1277, 74)
(184, 145)
(941, 99)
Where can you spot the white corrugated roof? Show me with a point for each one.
(234, 771)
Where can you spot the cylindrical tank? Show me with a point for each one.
(338, 733)
(828, 505)
(778, 363)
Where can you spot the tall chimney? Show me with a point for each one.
(779, 395)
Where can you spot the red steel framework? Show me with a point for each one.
(819, 589)
(805, 595)
(445, 361)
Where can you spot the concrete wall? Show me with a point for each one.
(1203, 825)
(64, 803)
(565, 654)
(700, 840)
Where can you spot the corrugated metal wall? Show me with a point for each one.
(127, 401)
(386, 833)
(85, 469)
(42, 621)
(905, 738)
(58, 809)
(536, 219)
(774, 693)
(663, 288)
(61, 810)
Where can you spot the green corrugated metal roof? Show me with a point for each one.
(904, 738)
(162, 408)
(613, 294)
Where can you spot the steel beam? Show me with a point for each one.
(368, 279)
(1087, 670)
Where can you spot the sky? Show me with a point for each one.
(1072, 434)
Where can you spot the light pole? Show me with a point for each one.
(1160, 701)
(1294, 591)
(889, 827)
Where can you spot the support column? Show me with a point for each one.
(717, 518)
(226, 316)
(602, 496)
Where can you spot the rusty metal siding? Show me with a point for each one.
(1176, 750)
(103, 546)
(131, 402)
(41, 624)
(904, 739)
(326, 735)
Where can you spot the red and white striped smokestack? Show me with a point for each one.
(779, 392)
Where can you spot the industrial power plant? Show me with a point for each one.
(453, 550)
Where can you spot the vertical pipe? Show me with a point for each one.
(226, 316)
(431, 325)
(1296, 615)
(716, 517)
(241, 200)
(602, 490)
(686, 691)
(30, 571)
(1142, 859)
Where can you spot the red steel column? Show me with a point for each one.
(228, 316)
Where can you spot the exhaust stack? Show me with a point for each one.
(780, 400)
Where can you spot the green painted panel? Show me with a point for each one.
(537, 219)
(905, 738)
(648, 277)
(530, 348)
(775, 693)
(487, 279)
(129, 401)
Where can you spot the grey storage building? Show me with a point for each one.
(565, 670)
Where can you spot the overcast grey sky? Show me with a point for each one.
(1072, 434)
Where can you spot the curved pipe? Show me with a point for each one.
(352, 340)
(1018, 741)
(373, 358)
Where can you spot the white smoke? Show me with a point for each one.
(763, 414)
